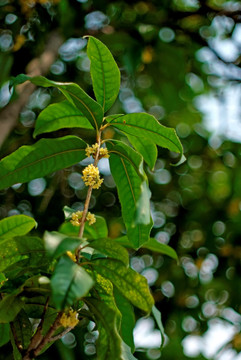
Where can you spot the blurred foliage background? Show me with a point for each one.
(180, 61)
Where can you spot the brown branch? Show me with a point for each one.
(38, 66)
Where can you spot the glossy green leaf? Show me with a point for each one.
(110, 248)
(97, 230)
(4, 334)
(69, 283)
(73, 93)
(130, 189)
(10, 306)
(145, 147)
(40, 159)
(130, 283)
(29, 250)
(155, 246)
(109, 341)
(152, 244)
(56, 244)
(23, 329)
(59, 116)
(104, 73)
(127, 153)
(157, 316)
(127, 320)
(145, 125)
(16, 225)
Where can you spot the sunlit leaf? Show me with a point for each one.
(110, 248)
(40, 159)
(104, 72)
(130, 189)
(76, 96)
(145, 125)
(69, 283)
(145, 147)
(16, 225)
(56, 244)
(59, 116)
(130, 283)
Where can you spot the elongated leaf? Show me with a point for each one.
(129, 186)
(104, 72)
(77, 96)
(56, 244)
(69, 283)
(16, 225)
(40, 159)
(127, 320)
(59, 116)
(152, 244)
(126, 351)
(131, 284)
(110, 248)
(109, 341)
(4, 334)
(145, 147)
(97, 230)
(10, 306)
(155, 246)
(30, 249)
(145, 125)
(127, 153)
(23, 329)
(157, 316)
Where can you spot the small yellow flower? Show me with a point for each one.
(92, 150)
(69, 319)
(77, 216)
(91, 176)
(71, 255)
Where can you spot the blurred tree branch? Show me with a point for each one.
(38, 66)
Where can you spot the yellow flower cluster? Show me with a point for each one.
(92, 150)
(69, 319)
(77, 216)
(91, 176)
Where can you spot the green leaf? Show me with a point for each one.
(73, 93)
(126, 351)
(59, 116)
(23, 329)
(3, 279)
(4, 334)
(10, 306)
(145, 147)
(152, 244)
(127, 153)
(97, 230)
(109, 341)
(16, 353)
(130, 187)
(56, 244)
(110, 248)
(157, 316)
(145, 125)
(131, 284)
(104, 73)
(69, 283)
(40, 159)
(155, 246)
(30, 249)
(16, 225)
(127, 320)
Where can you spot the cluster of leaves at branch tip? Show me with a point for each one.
(84, 268)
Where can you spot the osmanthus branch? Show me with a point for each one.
(88, 197)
